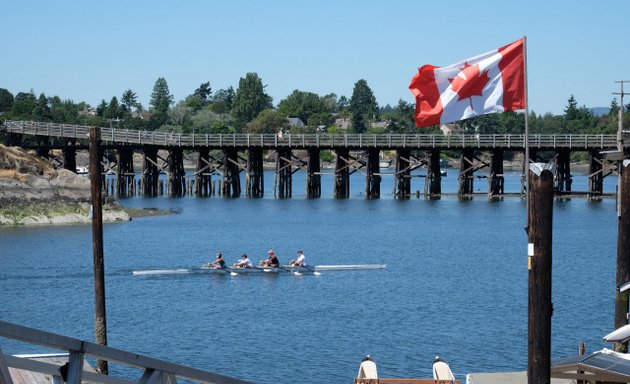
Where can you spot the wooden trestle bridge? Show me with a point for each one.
(352, 152)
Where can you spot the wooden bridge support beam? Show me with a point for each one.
(70, 157)
(150, 172)
(313, 177)
(13, 139)
(595, 173)
(203, 175)
(255, 173)
(342, 174)
(496, 180)
(231, 173)
(125, 175)
(563, 178)
(284, 173)
(466, 170)
(402, 182)
(176, 173)
(372, 177)
(434, 175)
(43, 149)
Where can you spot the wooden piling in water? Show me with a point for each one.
(623, 249)
(150, 172)
(563, 179)
(402, 177)
(176, 173)
(595, 173)
(313, 177)
(255, 176)
(434, 175)
(284, 173)
(231, 173)
(466, 169)
(124, 170)
(496, 181)
(100, 322)
(203, 176)
(342, 174)
(539, 250)
(70, 156)
(372, 177)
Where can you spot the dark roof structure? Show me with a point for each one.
(605, 365)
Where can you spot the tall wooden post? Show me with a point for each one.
(402, 182)
(100, 323)
(539, 250)
(623, 249)
(434, 177)
(342, 174)
(255, 182)
(496, 180)
(313, 178)
(284, 173)
(372, 179)
(125, 174)
(176, 173)
(466, 172)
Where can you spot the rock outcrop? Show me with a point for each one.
(33, 192)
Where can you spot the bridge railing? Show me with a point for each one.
(320, 140)
(155, 371)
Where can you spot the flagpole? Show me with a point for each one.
(526, 160)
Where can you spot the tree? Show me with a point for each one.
(363, 106)
(250, 99)
(129, 99)
(303, 105)
(100, 109)
(222, 101)
(42, 109)
(571, 110)
(161, 98)
(24, 105)
(268, 121)
(614, 109)
(6, 100)
(203, 92)
(113, 110)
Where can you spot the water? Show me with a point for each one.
(455, 283)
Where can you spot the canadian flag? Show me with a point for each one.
(487, 83)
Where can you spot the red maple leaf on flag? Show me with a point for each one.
(469, 82)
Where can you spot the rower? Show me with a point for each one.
(271, 260)
(244, 263)
(300, 261)
(219, 263)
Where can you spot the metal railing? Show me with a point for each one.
(155, 371)
(324, 141)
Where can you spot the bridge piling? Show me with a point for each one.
(203, 177)
(255, 176)
(342, 174)
(124, 171)
(284, 173)
(313, 178)
(150, 172)
(496, 180)
(372, 179)
(176, 174)
(434, 175)
(466, 169)
(402, 182)
(563, 177)
(231, 171)
(595, 173)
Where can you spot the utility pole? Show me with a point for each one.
(100, 323)
(623, 226)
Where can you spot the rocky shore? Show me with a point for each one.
(32, 192)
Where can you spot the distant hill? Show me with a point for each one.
(599, 111)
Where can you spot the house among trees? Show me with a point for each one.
(343, 123)
(295, 122)
(451, 129)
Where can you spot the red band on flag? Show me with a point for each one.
(512, 67)
(428, 104)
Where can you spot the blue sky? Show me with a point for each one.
(88, 51)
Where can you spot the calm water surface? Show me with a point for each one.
(455, 283)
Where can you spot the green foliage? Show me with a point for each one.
(326, 156)
(6, 100)
(129, 100)
(268, 121)
(363, 106)
(113, 109)
(250, 99)
(203, 92)
(222, 101)
(161, 98)
(305, 105)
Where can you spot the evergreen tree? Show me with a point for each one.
(614, 109)
(161, 98)
(129, 100)
(363, 106)
(113, 110)
(222, 101)
(571, 111)
(6, 100)
(203, 92)
(100, 109)
(250, 99)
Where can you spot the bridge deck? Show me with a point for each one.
(113, 136)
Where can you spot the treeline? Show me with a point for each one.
(249, 109)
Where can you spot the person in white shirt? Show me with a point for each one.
(300, 261)
(244, 263)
